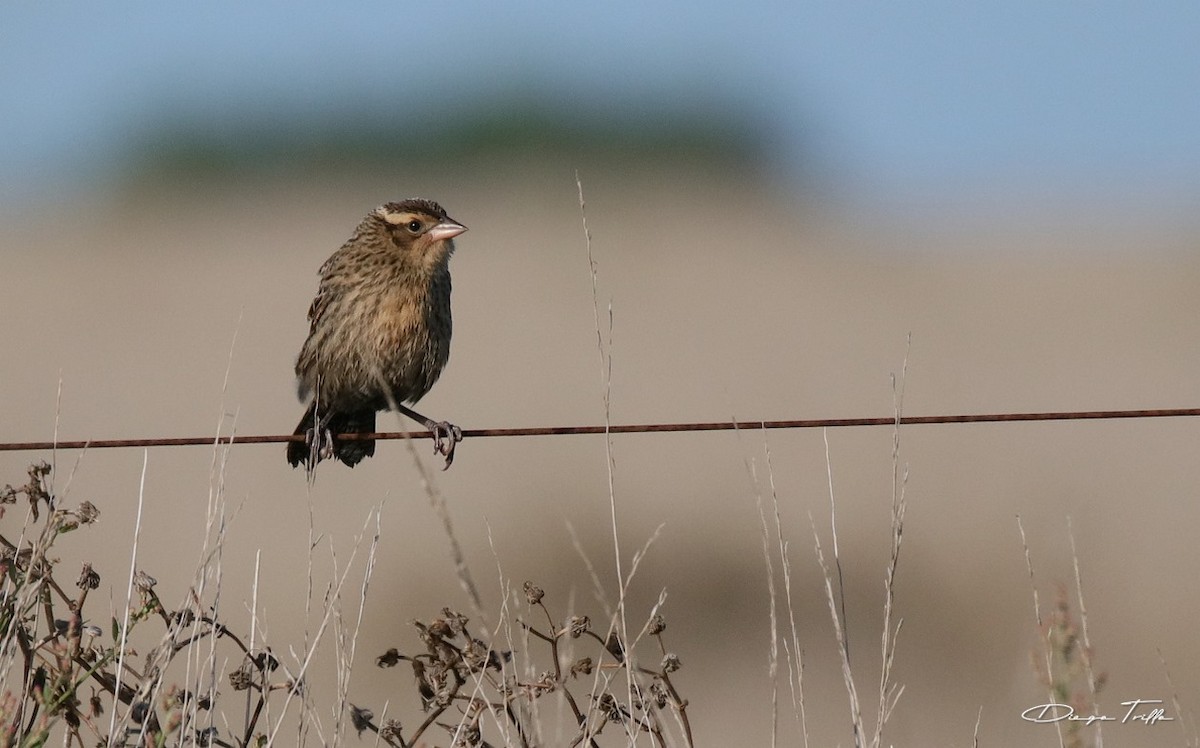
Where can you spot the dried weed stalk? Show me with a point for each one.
(62, 669)
(472, 691)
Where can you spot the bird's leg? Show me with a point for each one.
(326, 448)
(320, 440)
(446, 435)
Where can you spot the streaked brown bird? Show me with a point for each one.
(379, 332)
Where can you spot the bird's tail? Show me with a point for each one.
(349, 451)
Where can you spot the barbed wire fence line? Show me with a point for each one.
(1087, 415)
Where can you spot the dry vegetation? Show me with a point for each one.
(179, 675)
(67, 679)
(536, 676)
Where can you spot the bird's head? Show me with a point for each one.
(420, 227)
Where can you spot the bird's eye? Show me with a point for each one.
(414, 226)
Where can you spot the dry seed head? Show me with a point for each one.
(578, 625)
(361, 718)
(390, 731)
(88, 578)
(144, 582)
(477, 655)
(389, 658)
(265, 661)
(240, 679)
(87, 513)
(582, 666)
(671, 662)
(533, 593)
(457, 621)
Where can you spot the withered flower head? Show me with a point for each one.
(88, 578)
(144, 582)
(582, 666)
(578, 625)
(87, 513)
(361, 718)
(389, 658)
(390, 731)
(457, 621)
(240, 679)
(533, 593)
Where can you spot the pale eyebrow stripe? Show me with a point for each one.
(394, 218)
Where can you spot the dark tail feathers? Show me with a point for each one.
(350, 452)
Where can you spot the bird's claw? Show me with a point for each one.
(446, 437)
(322, 448)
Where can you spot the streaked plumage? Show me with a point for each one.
(379, 332)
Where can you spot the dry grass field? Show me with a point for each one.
(178, 312)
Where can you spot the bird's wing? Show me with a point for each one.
(326, 290)
(317, 308)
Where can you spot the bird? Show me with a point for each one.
(379, 333)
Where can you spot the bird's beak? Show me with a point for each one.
(447, 229)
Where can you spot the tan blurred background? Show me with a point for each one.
(166, 297)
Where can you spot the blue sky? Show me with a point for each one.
(906, 103)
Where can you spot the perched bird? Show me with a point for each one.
(379, 332)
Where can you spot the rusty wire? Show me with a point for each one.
(620, 429)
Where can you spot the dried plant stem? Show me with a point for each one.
(605, 353)
(1186, 723)
(124, 642)
(840, 633)
(795, 656)
(346, 642)
(1086, 651)
(1037, 614)
(772, 615)
(438, 503)
(889, 691)
(332, 609)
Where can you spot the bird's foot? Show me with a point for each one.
(327, 449)
(320, 446)
(446, 437)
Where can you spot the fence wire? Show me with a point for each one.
(1088, 415)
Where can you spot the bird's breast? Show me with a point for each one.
(411, 338)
